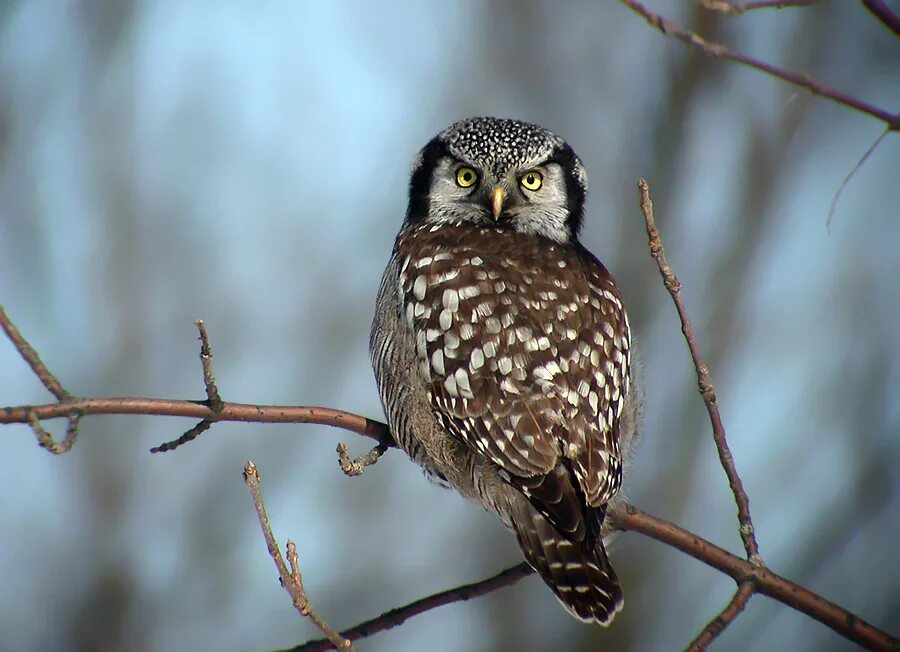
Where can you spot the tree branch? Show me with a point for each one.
(719, 51)
(400, 615)
(704, 379)
(290, 579)
(357, 465)
(718, 624)
(738, 8)
(32, 358)
(246, 412)
(623, 516)
(845, 623)
(211, 410)
(630, 518)
(883, 13)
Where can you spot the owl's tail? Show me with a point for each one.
(580, 576)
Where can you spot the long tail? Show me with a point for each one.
(580, 576)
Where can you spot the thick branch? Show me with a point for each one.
(719, 51)
(749, 576)
(628, 517)
(704, 379)
(199, 410)
(883, 13)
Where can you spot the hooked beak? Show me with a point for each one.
(497, 197)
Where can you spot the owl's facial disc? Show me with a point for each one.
(494, 172)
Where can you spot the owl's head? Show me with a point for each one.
(501, 173)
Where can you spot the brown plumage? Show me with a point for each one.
(503, 355)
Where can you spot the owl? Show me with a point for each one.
(502, 349)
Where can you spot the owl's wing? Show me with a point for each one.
(525, 359)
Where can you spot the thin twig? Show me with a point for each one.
(291, 579)
(718, 624)
(357, 465)
(46, 440)
(400, 615)
(738, 8)
(213, 400)
(32, 358)
(206, 355)
(884, 14)
(51, 382)
(851, 174)
(719, 51)
(704, 379)
(189, 435)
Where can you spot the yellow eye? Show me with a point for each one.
(466, 177)
(532, 180)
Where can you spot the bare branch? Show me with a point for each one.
(32, 358)
(246, 412)
(189, 435)
(213, 400)
(400, 615)
(290, 579)
(625, 517)
(209, 381)
(738, 8)
(882, 12)
(704, 379)
(356, 466)
(718, 624)
(719, 51)
(44, 438)
(848, 625)
(851, 174)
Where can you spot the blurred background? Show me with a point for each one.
(247, 164)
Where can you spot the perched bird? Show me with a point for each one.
(502, 349)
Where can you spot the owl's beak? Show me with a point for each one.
(497, 197)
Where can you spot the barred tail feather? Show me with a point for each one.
(581, 577)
